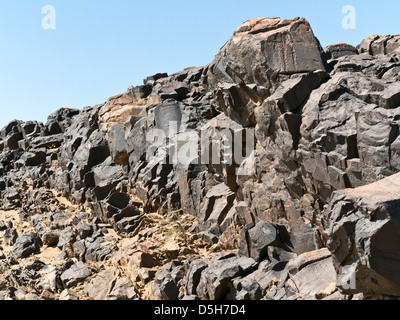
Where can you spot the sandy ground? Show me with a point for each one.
(48, 255)
(9, 215)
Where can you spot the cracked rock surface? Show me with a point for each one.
(270, 173)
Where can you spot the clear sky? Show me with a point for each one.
(101, 47)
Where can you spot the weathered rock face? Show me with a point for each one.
(131, 103)
(156, 89)
(362, 229)
(380, 45)
(340, 50)
(254, 177)
(262, 49)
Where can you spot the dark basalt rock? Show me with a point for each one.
(26, 245)
(308, 210)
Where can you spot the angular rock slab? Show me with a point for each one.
(74, 275)
(363, 233)
(311, 273)
(255, 240)
(340, 50)
(216, 280)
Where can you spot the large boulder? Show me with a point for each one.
(256, 239)
(312, 274)
(340, 50)
(380, 45)
(263, 48)
(216, 280)
(362, 232)
(120, 107)
(75, 274)
(26, 245)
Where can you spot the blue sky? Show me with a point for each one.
(101, 47)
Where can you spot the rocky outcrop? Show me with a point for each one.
(362, 230)
(270, 173)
